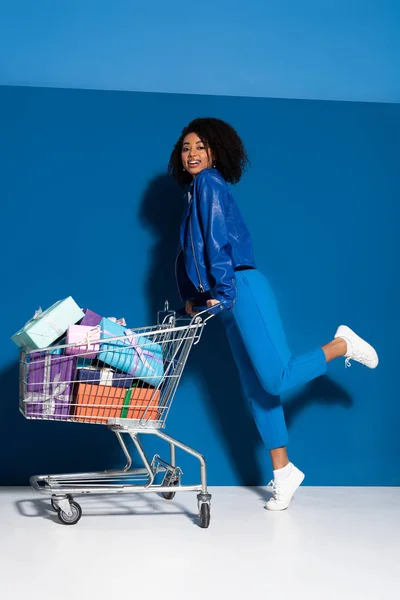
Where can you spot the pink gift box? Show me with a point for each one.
(85, 339)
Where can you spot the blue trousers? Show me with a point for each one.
(266, 366)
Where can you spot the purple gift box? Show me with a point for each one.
(104, 377)
(49, 387)
(91, 319)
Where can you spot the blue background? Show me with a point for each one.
(320, 49)
(87, 210)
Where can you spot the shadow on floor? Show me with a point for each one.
(107, 505)
(55, 446)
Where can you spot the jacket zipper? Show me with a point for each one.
(201, 288)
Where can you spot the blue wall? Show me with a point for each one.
(87, 211)
(330, 49)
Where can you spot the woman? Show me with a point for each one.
(215, 266)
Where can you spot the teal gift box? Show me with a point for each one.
(133, 354)
(46, 327)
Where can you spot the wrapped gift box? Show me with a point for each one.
(141, 403)
(91, 319)
(46, 327)
(104, 376)
(97, 403)
(49, 385)
(85, 340)
(133, 354)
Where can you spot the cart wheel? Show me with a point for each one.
(74, 518)
(54, 505)
(205, 515)
(170, 495)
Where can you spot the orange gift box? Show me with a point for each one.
(137, 400)
(98, 403)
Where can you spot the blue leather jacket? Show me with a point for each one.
(214, 240)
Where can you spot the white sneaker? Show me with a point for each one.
(283, 490)
(357, 348)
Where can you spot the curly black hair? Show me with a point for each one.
(230, 156)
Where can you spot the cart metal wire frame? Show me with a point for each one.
(91, 381)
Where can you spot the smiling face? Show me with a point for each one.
(195, 155)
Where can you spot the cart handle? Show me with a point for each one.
(200, 309)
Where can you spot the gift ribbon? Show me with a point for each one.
(131, 341)
(106, 377)
(140, 351)
(91, 336)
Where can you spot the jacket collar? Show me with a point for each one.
(190, 189)
(188, 203)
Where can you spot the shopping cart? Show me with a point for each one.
(97, 386)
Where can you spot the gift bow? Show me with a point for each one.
(131, 341)
(46, 397)
(120, 321)
(39, 314)
(139, 350)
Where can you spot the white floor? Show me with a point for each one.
(333, 543)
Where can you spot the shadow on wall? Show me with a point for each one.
(66, 447)
(322, 391)
(211, 361)
(27, 446)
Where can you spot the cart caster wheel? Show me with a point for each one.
(70, 519)
(170, 495)
(54, 503)
(205, 515)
